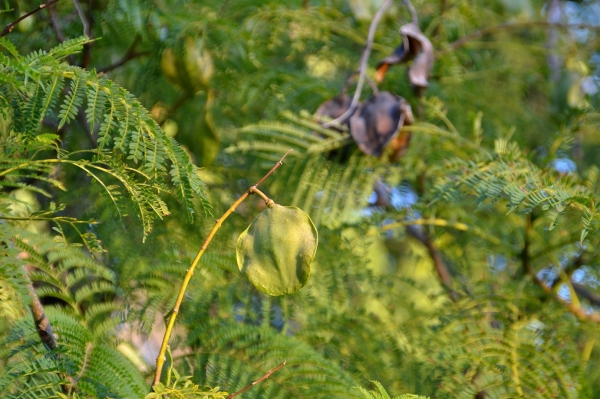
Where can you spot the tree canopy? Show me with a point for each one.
(433, 230)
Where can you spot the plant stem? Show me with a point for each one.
(573, 306)
(364, 59)
(11, 26)
(269, 202)
(261, 379)
(413, 13)
(160, 360)
(129, 55)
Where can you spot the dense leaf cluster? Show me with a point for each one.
(467, 268)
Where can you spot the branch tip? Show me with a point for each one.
(11, 26)
(261, 379)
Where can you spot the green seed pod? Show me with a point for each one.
(275, 252)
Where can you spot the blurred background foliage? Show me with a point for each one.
(498, 187)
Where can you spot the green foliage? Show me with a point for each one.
(86, 359)
(82, 363)
(480, 191)
(126, 130)
(497, 348)
(507, 173)
(184, 388)
(381, 393)
(234, 355)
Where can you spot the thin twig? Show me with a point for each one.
(278, 164)
(363, 66)
(261, 379)
(83, 18)
(129, 55)
(87, 22)
(58, 31)
(160, 360)
(126, 58)
(55, 25)
(351, 79)
(268, 201)
(413, 12)
(436, 256)
(12, 25)
(578, 311)
(438, 261)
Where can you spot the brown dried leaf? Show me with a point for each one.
(422, 49)
(415, 45)
(397, 57)
(399, 144)
(377, 121)
(335, 107)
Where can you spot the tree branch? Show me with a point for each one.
(42, 324)
(583, 292)
(436, 256)
(11, 26)
(572, 307)
(261, 379)
(569, 269)
(129, 55)
(87, 31)
(438, 261)
(413, 12)
(577, 311)
(160, 359)
(362, 66)
(58, 31)
(83, 18)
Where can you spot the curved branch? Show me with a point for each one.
(413, 12)
(129, 55)
(83, 18)
(12, 25)
(577, 311)
(160, 359)
(363, 66)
